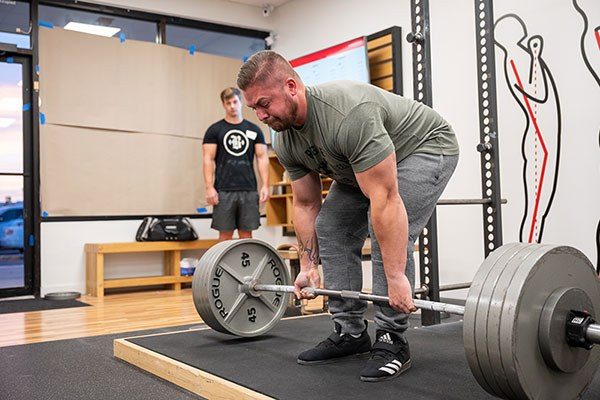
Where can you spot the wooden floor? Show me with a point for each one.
(114, 314)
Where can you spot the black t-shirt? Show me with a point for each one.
(235, 153)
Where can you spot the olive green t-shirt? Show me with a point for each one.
(352, 126)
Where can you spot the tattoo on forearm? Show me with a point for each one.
(310, 248)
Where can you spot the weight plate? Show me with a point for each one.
(546, 269)
(217, 295)
(476, 312)
(62, 296)
(493, 333)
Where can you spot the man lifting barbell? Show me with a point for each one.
(390, 159)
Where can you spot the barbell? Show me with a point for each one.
(528, 327)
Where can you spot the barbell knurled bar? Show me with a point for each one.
(347, 294)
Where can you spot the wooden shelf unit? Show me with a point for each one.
(279, 207)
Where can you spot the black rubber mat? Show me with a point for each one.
(17, 306)
(268, 364)
(81, 369)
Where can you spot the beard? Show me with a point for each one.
(285, 122)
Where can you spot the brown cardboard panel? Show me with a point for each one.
(99, 172)
(134, 86)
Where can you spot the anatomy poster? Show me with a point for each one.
(548, 95)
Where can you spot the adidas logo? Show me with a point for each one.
(385, 339)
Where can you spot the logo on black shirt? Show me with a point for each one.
(235, 142)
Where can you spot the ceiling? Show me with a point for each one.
(260, 3)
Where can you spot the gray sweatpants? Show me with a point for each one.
(342, 227)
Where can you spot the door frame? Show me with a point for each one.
(29, 185)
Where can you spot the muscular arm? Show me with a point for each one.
(307, 204)
(262, 159)
(209, 152)
(390, 223)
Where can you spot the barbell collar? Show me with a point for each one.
(347, 294)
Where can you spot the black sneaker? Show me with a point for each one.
(390, 357)
(336, 347)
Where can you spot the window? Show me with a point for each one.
(131, 28)
(12, 234)
(14, 18)
(11, 118)
(222, 44)
(15, 273)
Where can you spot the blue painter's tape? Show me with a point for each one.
(37, 69)
(192, 49)
(46, 24)
(26, 106)
(44, 214)
(42, 118)
(121, 37)
(31, 240)
(202, 210)
(10, 60)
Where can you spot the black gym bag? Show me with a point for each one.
(178, 229)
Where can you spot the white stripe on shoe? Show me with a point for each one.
(393, 366)
(388, 370)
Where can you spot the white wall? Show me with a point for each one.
(454, 79)
(218, 11)
(305, 26)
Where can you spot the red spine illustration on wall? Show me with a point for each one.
(533, 88)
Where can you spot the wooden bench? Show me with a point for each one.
(94, 260)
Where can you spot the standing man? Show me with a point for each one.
(229, 148)
(390, 159)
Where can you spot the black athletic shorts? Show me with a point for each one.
(236, 210)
